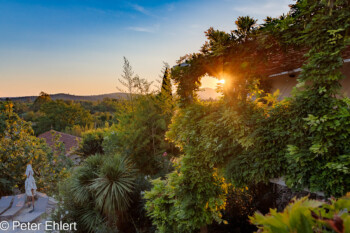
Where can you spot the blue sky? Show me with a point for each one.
(77, 47)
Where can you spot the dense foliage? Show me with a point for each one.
(227, 148)
(250, 136)
(133, 148)
(97, 195)
(307, 216)
(140, 131)
(40, 100)
(18, 147)
(304, 137)
(59, 115)
(320, 160)
(189, 199)
(92, 142)
(72, 117)
(139, 134)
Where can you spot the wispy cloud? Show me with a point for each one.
(140, 29)
(154, 12)
(141, 9)
(150, 29)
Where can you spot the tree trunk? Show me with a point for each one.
(153, 142)
(204, 229)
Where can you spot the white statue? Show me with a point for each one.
(30, 184)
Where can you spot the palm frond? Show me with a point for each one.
(114, 185)
(83, 176)
(90, 220)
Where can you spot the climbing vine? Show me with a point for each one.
(319, 153)
(250, 136)
(304, 137)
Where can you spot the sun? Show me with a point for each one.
(222, 81)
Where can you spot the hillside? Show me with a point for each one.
(208, 93)
(204, 94)
(63, 96)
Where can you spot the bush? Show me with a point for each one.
(92, 142)
(307, 216)
(140, 134)
(18, 147)
(59, 115)
(98, 194)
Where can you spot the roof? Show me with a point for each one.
(290, 60)
(69, 141)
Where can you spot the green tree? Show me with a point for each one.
(59, 115)
(132, 84)
(166, 88)
(18, 147)
(92, 142)
(194, 194)
(140, 131)
(40, 100)
(140, 134)
(245, 26)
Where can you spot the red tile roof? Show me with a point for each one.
(70, 142)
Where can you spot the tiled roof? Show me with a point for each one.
(289, 60)
(70, 141)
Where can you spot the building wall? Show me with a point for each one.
(285, 84)
(346, 82)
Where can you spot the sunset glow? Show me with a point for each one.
(222, 81)
(77, 47)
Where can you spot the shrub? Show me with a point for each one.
(92, 142)
(98, 194)
(307, 216)
(18, 147)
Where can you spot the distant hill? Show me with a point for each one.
(204, 94)
(208, 93)
(63, 96)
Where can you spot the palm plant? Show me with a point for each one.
(113, 186)
(245, 25)
(79, 200)
(82, 178)
(98, 193)
(91, 220)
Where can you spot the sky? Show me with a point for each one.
(77, 46)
